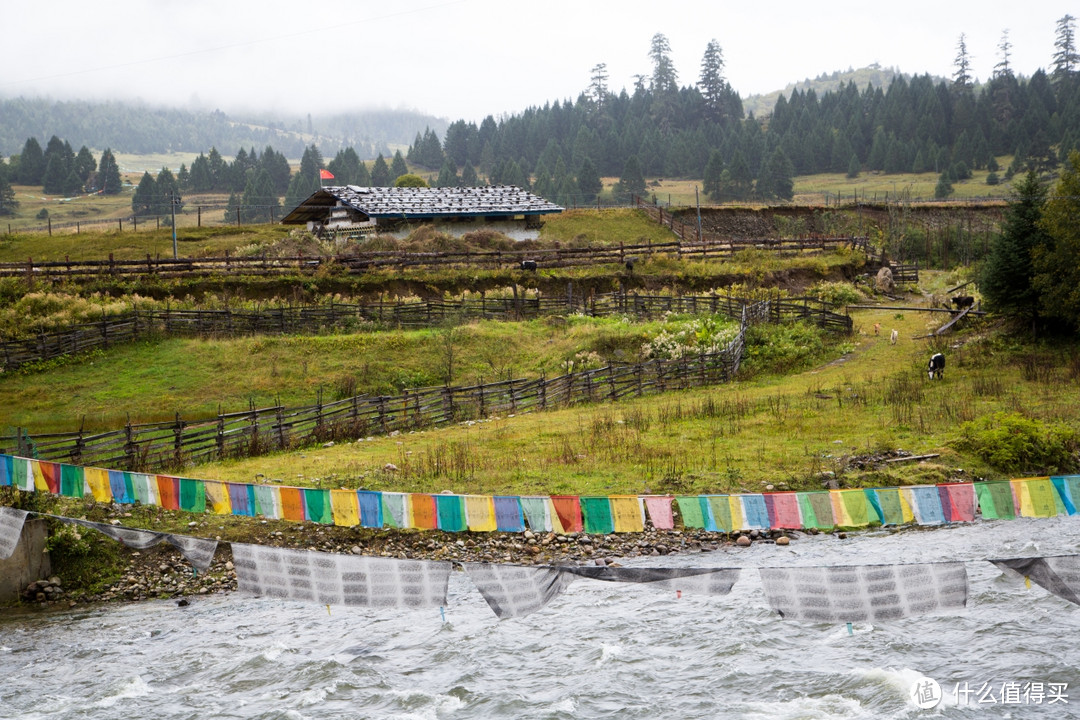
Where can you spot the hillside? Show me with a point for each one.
(137, 128)
(874, 75)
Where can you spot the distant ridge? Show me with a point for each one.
(871, 75)
(139, 128)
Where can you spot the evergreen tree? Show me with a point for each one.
(380, 173)
(1057, 261)
(31, 163)
(145, 198)
(8, 203)
(448, 176)
(109, 174)
(259, 202)
(1065, 56)
(201, 179)
(183, 178)
(346, 167)
(740, 179)
(1003, 69)
(84, 164)
(713, 184)
(398, 166)
(589, 182)
(712, 84)
(664, 78)
(962, 79)
(363, 176)
(218, 170)
(777, 178)
(277, 167)
(166, 192)
(853, 166)
(469, 177)
(232, 207)
(944, 187)
(631, 182)
(54, 179)
(1006, 278)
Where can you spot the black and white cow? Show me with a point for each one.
(529, 265)
(936, 367)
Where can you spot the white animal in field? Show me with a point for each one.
(894, 337)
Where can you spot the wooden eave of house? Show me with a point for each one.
(388, 203)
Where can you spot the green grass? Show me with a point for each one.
(153, 380)
(789, 432)
(604, 227)
(135, 245)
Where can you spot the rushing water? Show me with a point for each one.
(600, 650)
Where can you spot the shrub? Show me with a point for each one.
(783, 347)
(1013, 443)
(836, 293)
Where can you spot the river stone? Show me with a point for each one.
(743, 541)
(782, 540)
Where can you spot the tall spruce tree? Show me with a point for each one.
(1066, 58)
(398, 167)
(1057, 262)
(712, 84)
(632, 181)
(31, 163)
(144, 200)
(109, 179)
(380, 173)
(1006, 278)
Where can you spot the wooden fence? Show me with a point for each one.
(67, 270)
(157, 446)
(127, 327)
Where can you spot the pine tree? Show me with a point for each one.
(589, 182)
(712, 84)
(166, 192)
(777, 178)
(380, 173)
(962, 76)
(944, 187)
(1057, 261)
(84, 164)
(398, 166)
(1003, 69)
(713, 184)
(469, 177)
(183, 178)
(145, 197)
(109, 174)
(8, 203)
(31, 163)
(259, 201)
(853, 167)
(631, 182)
(448, 176)
(1007, 275)
(1065, 56)
(52, 182)
(218, 170)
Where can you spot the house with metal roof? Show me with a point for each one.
(353, 210)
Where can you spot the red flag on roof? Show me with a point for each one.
(326, 175)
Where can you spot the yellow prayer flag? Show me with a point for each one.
(218, 495)
(905, 508)
(480, 513)
(738, 522)
(627, 514)
(344, 507)
(556, 522)
(40, 483)
(98, 482)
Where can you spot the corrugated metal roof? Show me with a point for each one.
(419, 203)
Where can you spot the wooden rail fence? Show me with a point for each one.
(161, 445)
(58, 271)
(130, 326)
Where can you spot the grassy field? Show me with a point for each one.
(814, 189)
(788, 432)
(153, 380)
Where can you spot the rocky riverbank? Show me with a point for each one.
(161, 572)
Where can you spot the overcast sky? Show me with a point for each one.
(471, 58)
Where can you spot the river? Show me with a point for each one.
(600, 650)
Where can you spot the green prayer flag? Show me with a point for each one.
(690, 510)
(596, 515)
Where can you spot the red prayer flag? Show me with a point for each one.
(326, 175)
